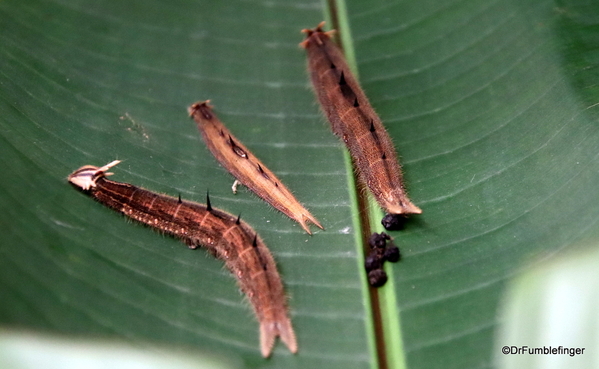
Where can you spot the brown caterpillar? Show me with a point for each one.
(354, 120)
(245, 167)
(227, 237)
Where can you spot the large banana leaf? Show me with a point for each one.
(490, 103)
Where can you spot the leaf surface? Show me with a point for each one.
(490, 105)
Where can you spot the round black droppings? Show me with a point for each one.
(392, 254)
(377, 277)
(393, 222)
(373, 261)
(377, 240)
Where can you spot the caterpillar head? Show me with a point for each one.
(85, 177)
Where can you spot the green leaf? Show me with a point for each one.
(491, 106)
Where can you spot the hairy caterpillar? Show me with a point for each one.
(245, 167)
(354, 120)
(226, 236)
